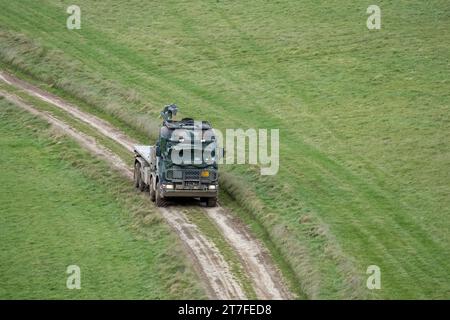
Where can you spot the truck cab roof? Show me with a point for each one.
(187, 123)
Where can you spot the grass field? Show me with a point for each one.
(59, 208)
(363, 116)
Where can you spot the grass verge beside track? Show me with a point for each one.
(61, 207)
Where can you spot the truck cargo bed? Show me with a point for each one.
(144, 151)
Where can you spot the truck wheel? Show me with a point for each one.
(137, 174)
(211, 202)
(151, 190)
(160, 202)
(142, 185)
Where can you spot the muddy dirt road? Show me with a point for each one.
(266, 279)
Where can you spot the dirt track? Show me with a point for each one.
(266, 279)
(208, 260)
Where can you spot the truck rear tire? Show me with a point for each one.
(137, 174)
(142, 184)
(151, 191)
(159, 201)
(211, 202)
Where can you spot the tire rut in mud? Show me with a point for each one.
(265, 277)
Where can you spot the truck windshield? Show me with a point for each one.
(187, 155)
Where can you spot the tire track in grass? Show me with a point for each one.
(266, 279)
(210, 264)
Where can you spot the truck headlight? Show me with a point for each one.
(212, 187)
(168, 186)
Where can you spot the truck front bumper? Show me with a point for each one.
(192, 193)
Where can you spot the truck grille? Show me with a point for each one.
(190, 175)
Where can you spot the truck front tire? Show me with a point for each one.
(211, 202)
(159, 201)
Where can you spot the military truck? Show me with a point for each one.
(183, 162)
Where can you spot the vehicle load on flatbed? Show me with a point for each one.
(181, 164)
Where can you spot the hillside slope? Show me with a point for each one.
(363, 116)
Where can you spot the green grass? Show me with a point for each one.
(62, 115)
(195, 214)
(60, 206)
(363, 116)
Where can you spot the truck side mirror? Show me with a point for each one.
(158, 151)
